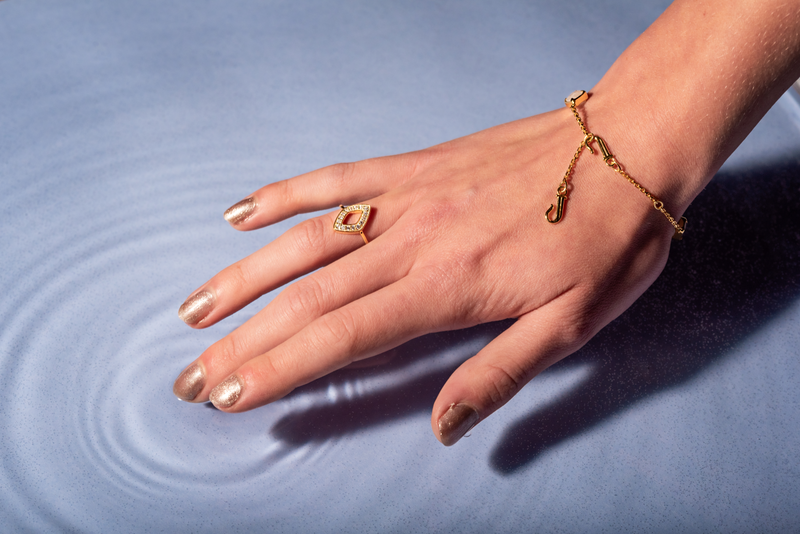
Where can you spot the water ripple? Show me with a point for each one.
(91, 343)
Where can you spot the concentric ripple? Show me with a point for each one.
(128, 127)
(91, 343)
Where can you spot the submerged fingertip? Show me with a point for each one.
(196, 307)
(241, 211)
(190, 382)
(459, 419)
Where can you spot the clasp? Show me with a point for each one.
(603, 147)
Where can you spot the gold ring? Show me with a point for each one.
(358, 227)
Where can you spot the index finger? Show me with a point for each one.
(343, 183)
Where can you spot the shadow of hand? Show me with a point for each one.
(737, 268)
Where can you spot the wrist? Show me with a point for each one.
(649, 144)
(686, 93)
(596, 144)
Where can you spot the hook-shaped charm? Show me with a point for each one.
(562, 197)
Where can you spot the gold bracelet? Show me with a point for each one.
(573, 101)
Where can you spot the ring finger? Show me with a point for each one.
(304, 248)
(353, 276)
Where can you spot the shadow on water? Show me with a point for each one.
(738, 267)
(401, 399)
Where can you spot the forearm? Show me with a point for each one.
(686, 93)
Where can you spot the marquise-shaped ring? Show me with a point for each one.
(358, 226)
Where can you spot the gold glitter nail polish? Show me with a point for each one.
(227, 392)
(196, 307)
(457, 421)
(241, 211)
(190, 382)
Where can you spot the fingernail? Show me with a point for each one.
(227, 392)
(456, 422)
(196, 307)
(190, 382)
(241, 211)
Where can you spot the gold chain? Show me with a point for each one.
(573, 101)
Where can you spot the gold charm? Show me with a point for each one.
(562, 198)
(358, 227)
(573, 101)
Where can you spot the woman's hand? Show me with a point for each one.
(458, 237)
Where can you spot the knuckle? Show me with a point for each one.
(287, 192)
(438, 282)
(306, 298)
(225, 351)
(341, 174)
(503, 382)
(578, 327)
(270, 370)
(451, 282)
(238, 276)
(421, 160)
(430, 220)
(443, 278)
(311, 236)
(576, 333)
(435, 214)
(338, 330)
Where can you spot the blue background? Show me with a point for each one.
(127, 128)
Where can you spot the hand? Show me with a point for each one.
(458, 237)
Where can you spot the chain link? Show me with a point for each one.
(562, 189)
(611, 161)
(574, 109)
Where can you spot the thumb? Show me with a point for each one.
(492, 377)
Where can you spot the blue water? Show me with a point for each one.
(127, 128)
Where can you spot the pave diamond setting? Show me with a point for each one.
(339, 226)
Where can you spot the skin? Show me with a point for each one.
(459, 233)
